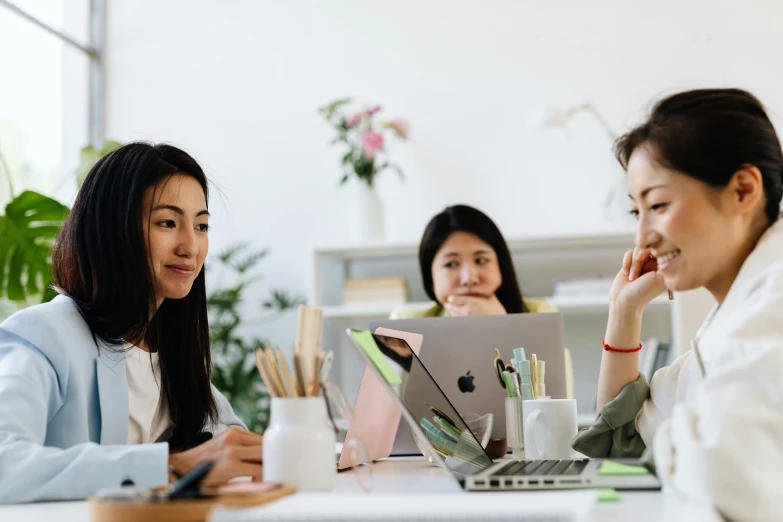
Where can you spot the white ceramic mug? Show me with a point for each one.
(299, 444)
(550, 425)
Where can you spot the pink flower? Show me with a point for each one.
(373, 110)
(353, 120)
(372, 142)
(401, 127)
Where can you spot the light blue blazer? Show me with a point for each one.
(64, 411)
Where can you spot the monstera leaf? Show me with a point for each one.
(27, 232)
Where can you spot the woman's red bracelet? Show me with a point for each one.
(621, 350)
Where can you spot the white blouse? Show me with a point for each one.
(715, 416)
(149, 415)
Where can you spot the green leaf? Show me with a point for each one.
(250, 260)
(27, 232)
(48, 295)
(344, 179)
(328, 110)
(90, 155)
(230, 251)
(230, 254)
(282, 300)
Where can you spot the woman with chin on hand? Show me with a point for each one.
(705, 180)
(109, 383)
(466, 269)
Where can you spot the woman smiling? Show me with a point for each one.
(110, 382)
(705, 179)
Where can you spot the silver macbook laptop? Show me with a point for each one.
(456, 450)
(459, 352)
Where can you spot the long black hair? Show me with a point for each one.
(100, 260)
(462, 218)
(709, 134)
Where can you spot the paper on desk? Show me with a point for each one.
(540, 506)
(615, 469)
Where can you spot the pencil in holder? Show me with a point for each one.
(515, 427)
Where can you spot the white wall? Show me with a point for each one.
(237, 84)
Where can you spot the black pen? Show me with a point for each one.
(187, 486)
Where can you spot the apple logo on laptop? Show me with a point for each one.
(465, 383)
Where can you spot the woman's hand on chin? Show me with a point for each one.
(637, 283)
(462, 305)
(235, 452)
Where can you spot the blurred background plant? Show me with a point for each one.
(234, 371)
(28, 229)
(90, 155)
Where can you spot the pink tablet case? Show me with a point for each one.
(377, 416)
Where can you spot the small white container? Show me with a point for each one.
(299, 444)
(515, 427)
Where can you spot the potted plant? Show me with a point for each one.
(234, 371)
(28, 229)
(365, 135)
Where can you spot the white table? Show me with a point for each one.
(417, 476)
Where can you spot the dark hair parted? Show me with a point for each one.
(100, 260)
(709, 134)
(462, 218)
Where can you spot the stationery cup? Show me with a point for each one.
(550, 425)
(515, 427)
(299, 444)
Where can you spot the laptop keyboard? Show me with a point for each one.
(543, 467)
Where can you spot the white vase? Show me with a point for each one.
(299, 444)
(368, 219)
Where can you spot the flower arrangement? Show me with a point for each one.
(363, 132)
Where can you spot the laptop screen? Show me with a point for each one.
(445, 429)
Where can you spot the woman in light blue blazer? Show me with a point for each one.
(109, 383)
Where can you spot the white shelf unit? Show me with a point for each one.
(567, 304)
(540, 261)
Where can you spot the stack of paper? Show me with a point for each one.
(388, 291)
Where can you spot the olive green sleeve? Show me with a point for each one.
(613, 433)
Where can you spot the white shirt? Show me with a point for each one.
(149, 415)
(717, 436)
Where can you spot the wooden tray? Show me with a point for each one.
(191, 510)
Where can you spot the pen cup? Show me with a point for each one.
(515, 427)
(299, 444)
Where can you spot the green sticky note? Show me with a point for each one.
(367, 344)
(611, 468)
(608, 495)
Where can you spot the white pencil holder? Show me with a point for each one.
(299, 444)
(515, 427)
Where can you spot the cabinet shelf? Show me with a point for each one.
(583, 304)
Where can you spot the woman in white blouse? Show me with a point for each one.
(705, 184)
(109, 383)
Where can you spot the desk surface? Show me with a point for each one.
(417, 476)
